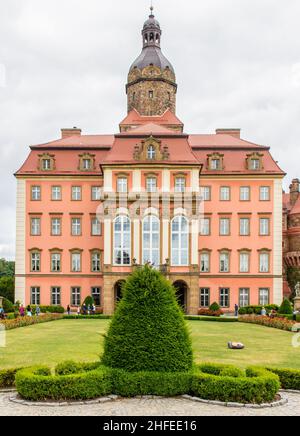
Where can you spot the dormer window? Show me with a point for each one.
(46, 162)
(215, 162)
(151, 152)
(254, 162)
(86, 162)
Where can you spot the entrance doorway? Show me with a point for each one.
(181, 294)
(118, 290)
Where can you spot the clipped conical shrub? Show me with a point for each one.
(285, 308)
(148, 331)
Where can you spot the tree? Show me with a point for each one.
(285, 308)
(7, 268)
(293, 277)
(7, 288)
(148, 331)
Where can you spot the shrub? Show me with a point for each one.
(25, 321)
(249, 310)
(257, 385)
(211, 318)
(214, 307)
(38, 384)
(7, 377)
(48, 309)
(8, 306)
(70, 367)
(87, 317)
(286, 308)
(208, 312)
(289, 378)
(148, 331)
(89, 301)
(278, 323)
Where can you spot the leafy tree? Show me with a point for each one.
(7, 288)
(7, 268)
(214, 307)
(148, 331)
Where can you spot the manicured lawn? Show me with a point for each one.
(82, 340)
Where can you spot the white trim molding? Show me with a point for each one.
(20, 241)
(277, 242)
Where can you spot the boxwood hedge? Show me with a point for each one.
(289, 378)
(7, 377)
(74, 381)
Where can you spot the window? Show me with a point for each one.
(244, 193)
(224, 297)
(151, 152)
(264, 193)
(55, 262)
(224, 262)
(204, 297)
(35, 295)
(96, 193)
(96, 227)
(122, 185)
(96, 294)
(205, 226)
(264, 262)
(244, 299)
(215, 164)
(55, 226)
(76, 226)
(205, 192)
(35, 193)
(96, 262)
(264, 226)
(263, 296)
(151, 240)
(151, 93)
(56, 193)
(35, 262)
(204, 262)
(244, 226)
(224, 193)
(244, 262)
(35, 226)
(224, 226)
(46, 164)
(76, 193)
(254, 164)
(151, 184)
(180, 241)
(122, 241)
(86, 164)
(76, 262)
(55, 296)
(180, 184)
(75, 296)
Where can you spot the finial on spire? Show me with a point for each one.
(151, 8)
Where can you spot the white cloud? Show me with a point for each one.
(65, 63)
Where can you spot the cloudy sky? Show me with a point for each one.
(63, 63)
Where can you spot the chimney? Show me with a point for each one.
(236, 133)
(294, 191)
(66, 133)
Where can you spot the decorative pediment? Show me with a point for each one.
(46, 162)
(151, 150)
(254, 161)
(215, 162)
(86, 162)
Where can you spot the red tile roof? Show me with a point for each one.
(97, 141)
(220, 140)
(150, 129)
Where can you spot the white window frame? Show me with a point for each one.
(55, 226)
(35, 261)
(96, 193)
(76, 262)
(96, 262)
(36, 193)
(244, 260)
(76, 193)
(56, 193)
(264, 193)
(151, 152)
(204, 297)
(180, 184)
(151, 184)
(55, 262)
(244, 297)
(205, 193)
(96, 227)
(75, 296)
(123, 250)
(245, 192)
(204, 262)
(224, 226)
(264, 262)
(263, 293)
(76, 226)
(225, 193)
(224, 295)
(244, 226)
(35, 295)
(224, 262)
(35, 226)
(180, 251)
(154, 251)
(55, 296)
(264, 226)
(122, 185)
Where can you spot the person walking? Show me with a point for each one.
(37, 310)
(236, 310)
(69, 310)
(22, 310)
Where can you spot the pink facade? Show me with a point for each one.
(221, 239)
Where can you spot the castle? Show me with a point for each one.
(206, 209)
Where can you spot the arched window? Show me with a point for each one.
(151, 240)
(151, 152)
(122, 240)
(180, 241)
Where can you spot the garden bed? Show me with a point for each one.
(278, 323)
(24, 321)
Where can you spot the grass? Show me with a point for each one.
(82, 340)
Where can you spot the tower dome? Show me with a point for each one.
(151, 87)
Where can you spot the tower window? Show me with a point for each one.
(151, 94)
(151, 37)
(151, 152)
(133, 96)
(157, 38)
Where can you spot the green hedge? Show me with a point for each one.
(87, 317)
(49, 309)
(38, 384)
(208, 381)
(7, 377)
(210, 318)
(256, 310)
(24, 321)
(289, 378)
(256, 386)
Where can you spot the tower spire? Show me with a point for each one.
(151, 9)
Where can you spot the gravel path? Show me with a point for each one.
(147, 407)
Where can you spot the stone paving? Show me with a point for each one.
(148, 407)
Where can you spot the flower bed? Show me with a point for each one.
(208, 312)
(87, 381)
(277, 323)
(24, 321)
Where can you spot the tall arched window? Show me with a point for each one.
(151, 242)
(122, 240)
(180, 241)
